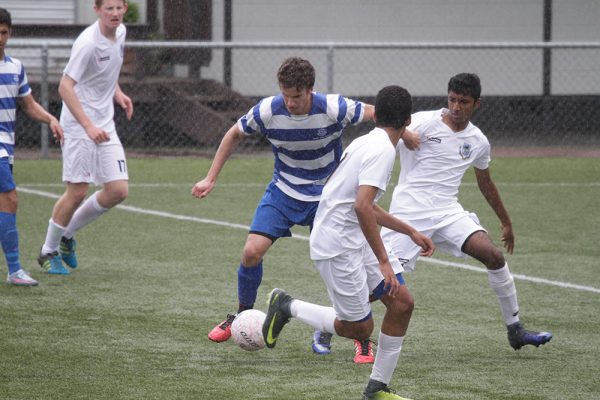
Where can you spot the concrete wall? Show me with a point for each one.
(424, 72)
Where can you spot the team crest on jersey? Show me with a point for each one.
(465, 151)
(322, 132)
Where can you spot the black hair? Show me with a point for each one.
(393, 106)
(466, 84)
(5, 17)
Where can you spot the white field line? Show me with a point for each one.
(392, 184)
(442, 263)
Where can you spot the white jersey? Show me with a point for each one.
(430, 177)
(95, 65)
(368, 161)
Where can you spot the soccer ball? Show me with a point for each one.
(246, 330)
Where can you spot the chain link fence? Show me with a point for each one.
(187, 94)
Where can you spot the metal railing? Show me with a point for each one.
(540, 74)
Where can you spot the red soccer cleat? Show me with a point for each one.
(222, 332)
(363, 352)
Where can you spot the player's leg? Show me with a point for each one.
(109, 168)
(271, 221)
(9, 235)
(467, 236)
(77, 166)
(480, 246)
(393, 328)
(350, 315)
(250, 272)
(97, 204)
(64, 208)
(396, 243)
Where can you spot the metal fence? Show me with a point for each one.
(187, 94)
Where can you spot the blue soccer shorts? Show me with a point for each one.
(277, 213)
(7, 182)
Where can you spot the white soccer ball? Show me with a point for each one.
(246, 330)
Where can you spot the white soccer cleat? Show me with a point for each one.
(20, 278)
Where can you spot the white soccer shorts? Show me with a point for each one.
(86, 162)
(349, 281)
(448, 233)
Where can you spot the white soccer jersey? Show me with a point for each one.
(368, 161)
(13, 84)
(95, 65)
(430, 177)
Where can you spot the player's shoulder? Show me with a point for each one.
(476, 132)
(377, 140)
(265, 108)
(88, 38)
(426, 115)
(12, 62)
(271, 105)
(425, 120)
(121, 33)
(336, 106)
(334, 99)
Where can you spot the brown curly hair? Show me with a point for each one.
(296, 72)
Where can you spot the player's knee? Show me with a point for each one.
(10, 201)
(495, 259)
(121, 194)
(361, 331)
(402, 306)
(251, 256)
(115, 195)
(77, 196)
(355, 330)
(362, 334)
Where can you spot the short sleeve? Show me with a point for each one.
(81, 54)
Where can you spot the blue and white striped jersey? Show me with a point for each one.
(307, 148)
(13, 84)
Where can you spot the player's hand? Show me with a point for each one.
(426, 244)
(125, 102)
(57, 131)
(96, 134)
(508, 238)
(203, 188)
(411, 140)
(389, 278)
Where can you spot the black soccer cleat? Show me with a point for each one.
(278, 315)
(518, 336)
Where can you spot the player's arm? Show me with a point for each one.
(411, 140)
(124, 101)
(229, 143)
(367, 218)
(66, 89)
(34, 110)
(369, 113)
(386, 219)
(490, 192)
